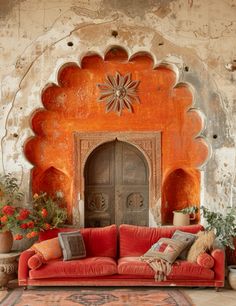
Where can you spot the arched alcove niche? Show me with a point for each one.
(181, 189)
(72, 106)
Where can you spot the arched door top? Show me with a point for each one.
(116, 186)
(147, 143)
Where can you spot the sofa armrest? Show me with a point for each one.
(23, 269)
(219, 266)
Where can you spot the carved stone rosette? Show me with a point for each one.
(118, 92)
(98, 202)
(135, 201)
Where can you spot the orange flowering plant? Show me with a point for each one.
(46, 212)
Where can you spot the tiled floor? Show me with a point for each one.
(209, 297)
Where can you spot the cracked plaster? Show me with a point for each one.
(193, 34)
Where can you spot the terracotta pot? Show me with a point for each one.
(232, 276)
(6, 242)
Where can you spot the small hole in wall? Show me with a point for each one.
(186, 68)
(215, 136)
(21, 107)
(15, 135)
(114, 33)
(70, 44)
(161, 44)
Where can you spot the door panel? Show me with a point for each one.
(100, 187)
(131, 185)
(116, 186)
(101, 167)
(133, 168)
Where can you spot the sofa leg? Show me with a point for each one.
(217, 289)
(25, 287)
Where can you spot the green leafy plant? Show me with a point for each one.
(189, 210)
(10, 193)
(224, 225)
(10, 198)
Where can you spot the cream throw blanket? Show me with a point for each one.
(161, 256)
(161, 267)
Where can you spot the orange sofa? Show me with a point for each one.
(113, 260)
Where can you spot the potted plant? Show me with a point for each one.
(45, 213)
(224, 226)
(10, 197)
(185, 215)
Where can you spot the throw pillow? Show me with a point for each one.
(48, 249)
(35, 261)
(205, 260)
(167, 249)
(72, 244)
(204, 242)
(188, 238)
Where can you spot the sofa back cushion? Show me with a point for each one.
(99, 241)
(137, 240)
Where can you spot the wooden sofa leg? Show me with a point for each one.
(25, 287)
(217, 289)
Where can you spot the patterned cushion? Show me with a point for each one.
(185, 237)
(35, 261)
(167, 249)
(48, 249)
(205, 260)
(72, 244)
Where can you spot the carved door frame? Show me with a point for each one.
(149, 143)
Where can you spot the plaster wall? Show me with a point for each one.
(197, 37)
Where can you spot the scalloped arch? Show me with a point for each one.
(117, 49)
(72, 106)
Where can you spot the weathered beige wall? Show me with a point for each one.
(198, 36)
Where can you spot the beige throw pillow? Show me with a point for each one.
(204, 242)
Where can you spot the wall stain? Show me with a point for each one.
(6, 7)
(139, 8)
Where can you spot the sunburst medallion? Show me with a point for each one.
(119, 92)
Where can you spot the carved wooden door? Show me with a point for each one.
(116, 186)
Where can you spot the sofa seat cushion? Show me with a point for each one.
(134, 266)
(186, 270)
(181, 270)
(86, 267)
